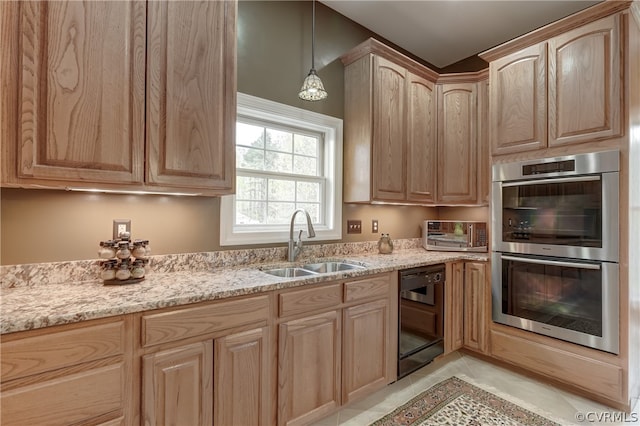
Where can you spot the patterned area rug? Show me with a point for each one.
(456, 402)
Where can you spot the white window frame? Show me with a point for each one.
(331, 128)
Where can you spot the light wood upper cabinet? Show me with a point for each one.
(563, 90)
(518, 85)
(410, 135)
(421, 139)
(81, 91)
(457, 143)
(389, 129)
(191, 94)
(585, 82)
(120, 95)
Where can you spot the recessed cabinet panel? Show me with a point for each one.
(365, 336)
(241, 363)
(191, 93)
(388, 130)
(457, 143)
(178, 386)
(519, 101)
(584, 83)
(421, 140)
(81, 91)
(308, 368)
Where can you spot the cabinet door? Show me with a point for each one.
(388, 130)
(421, 139)
(308, 368)
(584, 83)
(476, 307)
(453, 307)
(241, 372)
(518, 85)
(81, 91)
(365, 339)
(178, 386)
(484, 154)
(191, 94)
(457, 143)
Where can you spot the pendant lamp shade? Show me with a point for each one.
(312, 87)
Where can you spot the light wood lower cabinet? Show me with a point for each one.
(241, 363)
(365, 337)
(79, 374)
(178, 385)
(453, 307)
(308, 368)
(477, 307)
(207, 364)
(342, 348)
(467, 306)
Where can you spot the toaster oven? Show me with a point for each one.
(454, 235)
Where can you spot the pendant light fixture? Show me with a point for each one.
(312, 87)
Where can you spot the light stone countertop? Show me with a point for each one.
(35, 306)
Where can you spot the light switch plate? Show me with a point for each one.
(119, 226)
(354, 227)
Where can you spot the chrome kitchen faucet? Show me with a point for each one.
(295, 247)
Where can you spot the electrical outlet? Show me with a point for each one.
(120, 226)
(354, 227)
(374, 226)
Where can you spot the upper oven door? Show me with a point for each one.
(573, 217)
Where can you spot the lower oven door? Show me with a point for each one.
(572, 300)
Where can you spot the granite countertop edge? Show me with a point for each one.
(34, 307)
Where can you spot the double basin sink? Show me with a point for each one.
(312, 269)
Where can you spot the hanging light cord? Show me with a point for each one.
(313, 35)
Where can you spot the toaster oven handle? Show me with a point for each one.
(554, 180)
(552, 262)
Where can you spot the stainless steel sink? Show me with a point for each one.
(289, 272)
(314, 268)
(325, 267)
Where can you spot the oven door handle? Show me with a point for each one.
(553, 262)
(554, 180)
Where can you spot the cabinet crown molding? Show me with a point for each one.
(578, 19)
(373, 46)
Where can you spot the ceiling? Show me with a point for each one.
(443, 32)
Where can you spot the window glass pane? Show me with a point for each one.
(308, 191)
(305, 165)
(278, 140)
(282, 190)
(249, 135)
(249, 158)
(313, 209)
(306, 145)
(251, 188)
(278, 162)
(250, 212)
(280, 213)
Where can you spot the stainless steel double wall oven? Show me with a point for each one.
(555, 247)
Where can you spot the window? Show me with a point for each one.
(286, 158)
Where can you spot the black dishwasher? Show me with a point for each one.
(421, 317)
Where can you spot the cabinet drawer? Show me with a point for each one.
(43, 352)
(189, 322)
(73, 399)
(602, 378)
(367, 288)
(297, 302)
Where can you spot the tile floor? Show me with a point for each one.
(542, 398)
